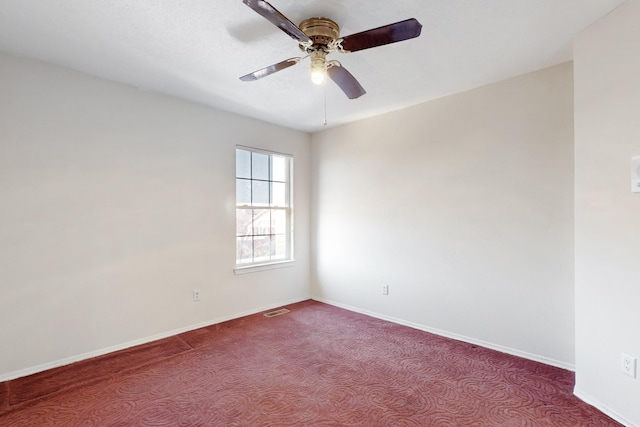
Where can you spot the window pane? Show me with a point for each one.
(244, 222)
(243, 164)
(279, 194)
(262, 248)
(243, 191)
(280, 247)
(244, 250)
(279, 168)
(260, 166)
(261, 222)
(279, 222)
(260, 193)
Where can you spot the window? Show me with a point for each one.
(264, 226)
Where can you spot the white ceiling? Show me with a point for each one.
(197, 49)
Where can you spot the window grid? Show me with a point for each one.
(263, 211)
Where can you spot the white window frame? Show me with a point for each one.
(244, 267)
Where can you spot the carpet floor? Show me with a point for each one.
(317, 365)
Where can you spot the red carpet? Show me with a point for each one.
(315, 366)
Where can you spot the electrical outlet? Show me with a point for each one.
(196, 295)
(628, 365)
(385, 289)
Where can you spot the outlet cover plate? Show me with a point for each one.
(628, 366)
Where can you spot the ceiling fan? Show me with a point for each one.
(318, 37)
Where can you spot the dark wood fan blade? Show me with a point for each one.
(270, 70)
(391, 33)
(272, 15)
(345, 80)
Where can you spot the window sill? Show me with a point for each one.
(262, 267)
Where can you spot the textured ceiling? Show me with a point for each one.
(197, 49)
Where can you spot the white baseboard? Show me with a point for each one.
(101, 352)
(602, 408)
(446, 334)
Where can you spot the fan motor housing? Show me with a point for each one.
(322, 31)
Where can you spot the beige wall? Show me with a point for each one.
(114, 205)
(607, 126)
(464, 207)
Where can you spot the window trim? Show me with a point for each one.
(280, 263)
(252, 268)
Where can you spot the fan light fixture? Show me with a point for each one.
(318, 66)
(317, 76)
